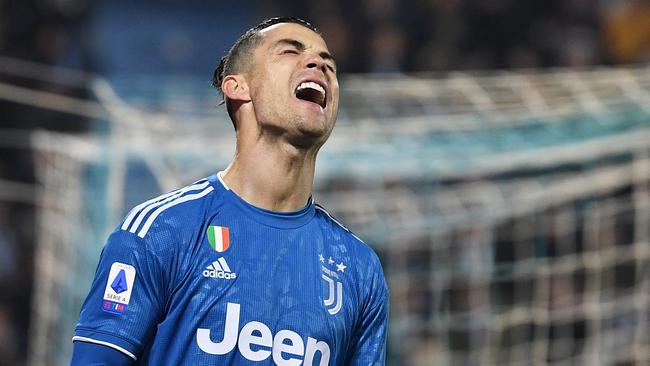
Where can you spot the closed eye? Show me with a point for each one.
(293, 52)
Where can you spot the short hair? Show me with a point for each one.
(237, 56)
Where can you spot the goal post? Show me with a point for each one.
(511, 210)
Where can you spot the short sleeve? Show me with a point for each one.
(86, 354)
(127, 296)
(369, 341)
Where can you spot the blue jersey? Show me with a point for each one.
(200, 277)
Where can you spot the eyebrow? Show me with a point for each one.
(301, 47)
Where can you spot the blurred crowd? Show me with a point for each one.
(47, 32)
(425, 35)
(364, 36)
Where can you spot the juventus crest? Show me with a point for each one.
(333, 287)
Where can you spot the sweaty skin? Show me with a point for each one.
(279, 135)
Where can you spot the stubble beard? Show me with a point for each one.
(293, 126)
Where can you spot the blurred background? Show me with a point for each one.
(495, 153)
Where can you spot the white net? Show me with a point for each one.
(67, 239)
(511, 210)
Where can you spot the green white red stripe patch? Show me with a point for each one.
(219, 237)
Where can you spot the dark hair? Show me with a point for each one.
(239, 53)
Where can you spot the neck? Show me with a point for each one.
(271, 175)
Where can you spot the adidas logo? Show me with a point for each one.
(219, 269)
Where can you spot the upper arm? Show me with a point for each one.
(92, 354)
(369, 340)
(127, 296)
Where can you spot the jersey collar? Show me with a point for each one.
(281, 220)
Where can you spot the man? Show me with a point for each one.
(243, 268)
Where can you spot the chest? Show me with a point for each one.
(294, 274)
(263, 289)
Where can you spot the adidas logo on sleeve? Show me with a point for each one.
(219, 269)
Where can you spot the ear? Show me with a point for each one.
(235, 88)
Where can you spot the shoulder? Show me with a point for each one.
(340, 233)
(359, 260)
(157, 236)
(176, 211)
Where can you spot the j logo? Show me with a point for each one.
(334, 299)
(333, 286)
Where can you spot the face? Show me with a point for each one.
(293, 84)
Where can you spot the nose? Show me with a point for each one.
(316, 62)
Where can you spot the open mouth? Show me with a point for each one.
(311, 92)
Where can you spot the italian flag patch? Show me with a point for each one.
(219, 238)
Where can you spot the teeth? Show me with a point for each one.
(311, 85)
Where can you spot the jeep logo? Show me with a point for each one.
(287, 347)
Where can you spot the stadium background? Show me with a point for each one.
(495, 153)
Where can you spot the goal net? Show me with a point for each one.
(511, 210)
